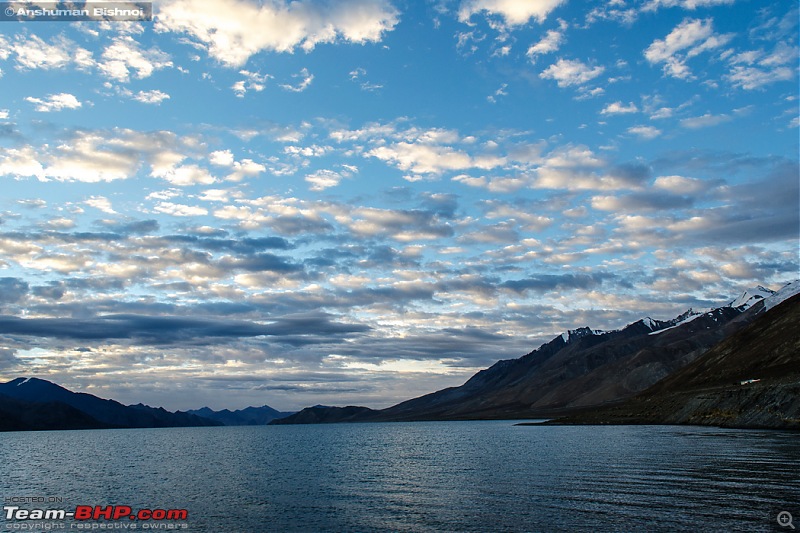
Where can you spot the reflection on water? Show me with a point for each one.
(427, 476)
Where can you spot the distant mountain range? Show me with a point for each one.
(250, 416)
(738, 365)
(580, 369)
(37, 404)
(32, 396)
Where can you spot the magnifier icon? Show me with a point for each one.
(785, 519)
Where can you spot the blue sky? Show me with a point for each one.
(360, 201)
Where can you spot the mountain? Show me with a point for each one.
(19, 415)
(105, 413)
(580, 369)
(325, 415)
(250, 416)
(751, 379)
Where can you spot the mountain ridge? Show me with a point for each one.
(580, 368)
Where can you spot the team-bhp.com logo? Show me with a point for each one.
(95, 512)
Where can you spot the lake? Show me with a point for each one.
(423, 476)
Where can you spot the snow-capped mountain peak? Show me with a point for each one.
(784, 293)
(751, 296)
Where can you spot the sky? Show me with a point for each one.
(356, 202)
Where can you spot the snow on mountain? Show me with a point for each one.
(574, 334)
(688, 316)
(751, 296)
(784, 293)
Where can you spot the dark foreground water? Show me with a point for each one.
(428, 476)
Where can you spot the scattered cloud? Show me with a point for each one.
(569, 72)
(645, 132)
(303, 84)
(704, 121)
(550, 43)
(233, 31)
(55, 102)
(513, 12)
(618, 108)
(151, 97)
(688, 39)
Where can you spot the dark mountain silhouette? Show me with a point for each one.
(580, 369)
(323, 415)
(250, 416)
(108, 413)
(19, 415)
(751, 379)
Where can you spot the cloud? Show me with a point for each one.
(568, 72)
(425, 158)
(688, 39)
(549, 282)
(253, 81)
(234, 30)
(550, 43)
(55, 102)
(691, 5)
(106, 155)
(641, 201)
(32, 52)
(358, 75)
(124, 58)
(753, 69)
(179, 210)
(645, 132)
(172, 329)
(704, 121)
(513, 12)
(12, 290)
(151, 97)
(303, 84)
(618, 108)
(102, 203)
(680, 184)
(325, 179)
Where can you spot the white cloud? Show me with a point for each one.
(421, 158)
(323, 179)
(180, 210)
(513, 12)
(679, 184)
(653, 5)
(686, 40)
(492, 98)
(567, 72)
(253, 81)
(3, 114)
(186, 175)
(55, 102)
(31, 52)
(645, 132)
(102, 203)
(704, 121)
(760, 69)
(151, 97)
(246, 168)
(124, 57)
(303, 84)
(234, 30)
(221, 158)
(21, 162)
(551, 42)
(618, 108)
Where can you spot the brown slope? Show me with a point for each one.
(709, 391)
(589, 370)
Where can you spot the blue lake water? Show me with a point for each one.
(425, 476)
